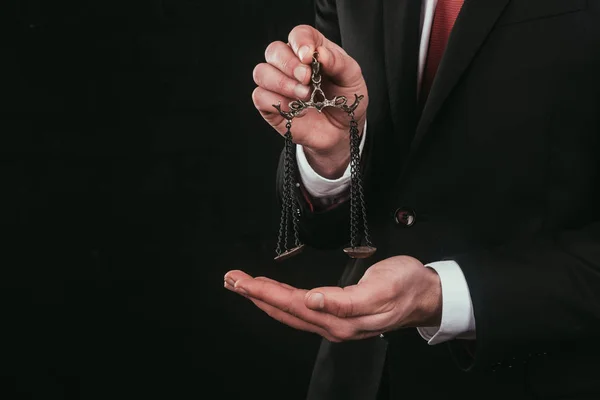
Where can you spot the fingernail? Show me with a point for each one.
(302, 52)
(240, 290)
(317, 300)
(301, 91)
(300, 73)
(230, 281)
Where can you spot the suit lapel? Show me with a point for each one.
(401, 24)
(472, 26)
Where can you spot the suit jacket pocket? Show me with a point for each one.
(519, 11)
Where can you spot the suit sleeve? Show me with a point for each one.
(527, 297)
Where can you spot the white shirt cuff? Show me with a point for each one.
(316, 185)
(458, 321)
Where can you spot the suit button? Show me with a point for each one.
(405, 216)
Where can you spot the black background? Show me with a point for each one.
(136, 172)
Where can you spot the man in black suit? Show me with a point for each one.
(481, 164)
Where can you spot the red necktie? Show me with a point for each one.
(443, 22)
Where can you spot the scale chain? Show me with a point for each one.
(290, 205)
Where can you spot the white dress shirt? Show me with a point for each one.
(457, 320)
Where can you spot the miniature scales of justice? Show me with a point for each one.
(290, 211)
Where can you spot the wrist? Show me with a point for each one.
(329, 165)
(333, 162)
(430, 302)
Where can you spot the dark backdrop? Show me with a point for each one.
(135, 172)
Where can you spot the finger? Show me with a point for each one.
(285, 285)
(304, 40)
(290, 301)
(355, 328)
(341, 69)
(272, 79)
(236, 275)
(233, 276)
(227, 285)
(232, 288)
(349, 329)
(351, 301)
(335, 62)
(264, 102)
(282, 57)
(335, 330)
(289, 320)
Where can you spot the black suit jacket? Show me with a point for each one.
(501, 169)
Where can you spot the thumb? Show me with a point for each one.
(336, 64)
(351, 301)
